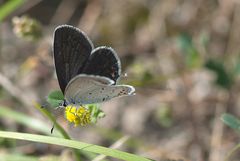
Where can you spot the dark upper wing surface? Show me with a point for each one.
(104, 62)
(72, 49)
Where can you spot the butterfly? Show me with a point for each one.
(86, 75)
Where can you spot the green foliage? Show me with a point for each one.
(234, 123)
(191, 55)
(8, 7)
(96, 112)
(223, 79)
(231, 121)
(73, 144)
(25, 120)
(18, 157)
(55, 98)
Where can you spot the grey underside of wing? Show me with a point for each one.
(88, 90)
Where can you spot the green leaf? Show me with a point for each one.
(223, 79)
(31, 122)
(17, 157)
(73, 144)
(55, 98)
(231, 121)
(96, 112)
(191, 55)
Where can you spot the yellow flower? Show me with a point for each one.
(77, 115)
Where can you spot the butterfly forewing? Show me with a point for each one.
(72, 49)
(87, 89)
(104, 62)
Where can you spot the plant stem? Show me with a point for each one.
(58, 127)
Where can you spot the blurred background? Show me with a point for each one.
(181, 55)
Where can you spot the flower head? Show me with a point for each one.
(77, 115)
(26, 27)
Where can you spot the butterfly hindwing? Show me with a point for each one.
(104, 62)
(88, 89)
(72, 49)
